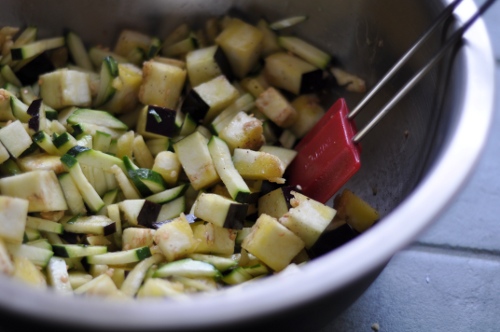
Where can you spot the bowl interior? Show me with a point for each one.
(366, 38)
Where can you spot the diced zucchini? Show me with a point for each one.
(168, 195)
(305, 50)
(96, 117)
(135, 237)
(109, 71)
(77, 250)
(37, 256)
(120, 257)
(97, 225)
(221, 156)
(187, 268)
(44, 225)
(135, 278)
(287, 22)
(172, 209)
(243, 104)
(236, 276)
(26, 271)
(78, 51)
(73, 197)
(127, 86)
(221, 263)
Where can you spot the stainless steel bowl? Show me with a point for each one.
(414, 163)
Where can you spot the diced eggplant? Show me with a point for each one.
(241, 42)
(156, 121)
(293, 74)
(29, 73)
(207, 63)
(333, 239)
(148, 214)
(221, 211)
(277, 202)
(37, 112)
(205, 101)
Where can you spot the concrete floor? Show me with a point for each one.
(449, 279)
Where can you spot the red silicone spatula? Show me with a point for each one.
(330, 154)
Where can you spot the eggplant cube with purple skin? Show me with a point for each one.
(157, 122)
(307, 218)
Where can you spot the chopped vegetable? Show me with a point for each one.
(157, 166)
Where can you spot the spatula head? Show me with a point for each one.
(327, 157)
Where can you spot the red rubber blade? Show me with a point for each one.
(327, 157)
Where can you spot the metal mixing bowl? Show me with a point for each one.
(413, 163)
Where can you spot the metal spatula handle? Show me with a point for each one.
(452, 40)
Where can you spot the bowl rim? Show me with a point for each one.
(459, 157)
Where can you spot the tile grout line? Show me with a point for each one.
(459, 251)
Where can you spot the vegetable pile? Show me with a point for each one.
(158, 168)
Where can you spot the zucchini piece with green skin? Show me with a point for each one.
(171, 210)
(188, 126)
(77, 250)
(100, 118)
(90, 196)
(96, 225)
(34, 48)
(19, 109)
(37, 256)
(4, 154)
(109, 71)
(187, 267)
(168, 195)
(40, 243)
(181, 47)
(44, 225)
(221, 263)
(221, 211)
(287, 22)
(94, 158)
(236, 186)
(237, 276)
(9, 75)
(135, 278)
(64, 142)
(78, 51)
(43, 140)
(28, 35)
(120, 257)
(243, 104)
(305, 50)
(101, 141)
(31, 234)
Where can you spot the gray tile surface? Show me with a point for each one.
(449, 279)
